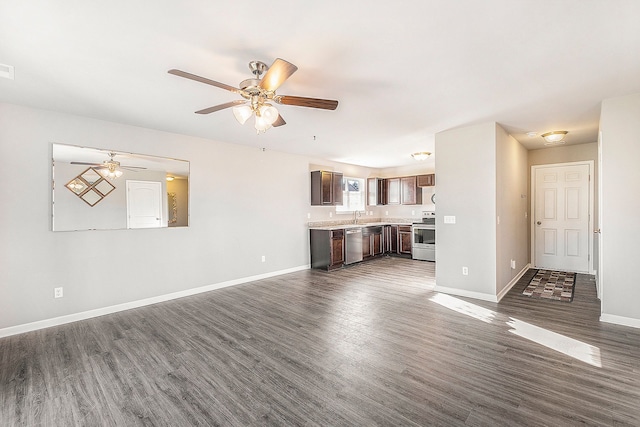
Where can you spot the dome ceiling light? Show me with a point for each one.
(554, 138)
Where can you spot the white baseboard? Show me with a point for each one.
(513, 281)
(480, 295)
(469, 294)
(41, 324)
(620, 320)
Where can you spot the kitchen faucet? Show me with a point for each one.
(356, 215)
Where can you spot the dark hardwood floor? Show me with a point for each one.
(371, 344)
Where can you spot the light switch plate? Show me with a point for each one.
(449, 219)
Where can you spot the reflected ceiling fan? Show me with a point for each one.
(110, 168)
(258, 93)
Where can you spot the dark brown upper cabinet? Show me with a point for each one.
(410, 193)
(427, 180)
(326, 188)
(376, 191)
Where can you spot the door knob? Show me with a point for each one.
(539, 223)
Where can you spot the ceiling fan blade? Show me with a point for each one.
(203, 80)
(279, 122)
(85, 164)
(325, 104)
(132, 168)
(279, 71)
(220, 107)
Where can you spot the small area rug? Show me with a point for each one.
(553, 285)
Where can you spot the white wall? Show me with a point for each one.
(512, 205)
(482, 175)
(620, 127)
(466, 181)
(244, 203)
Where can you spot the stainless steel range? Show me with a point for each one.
(423, 246)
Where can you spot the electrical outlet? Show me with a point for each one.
(465, 271)
(57, 292)
(498, 219)
(513, 263)
(330, 214)
(264, 258)
(386, 212)
(413, 212)
(308, 216)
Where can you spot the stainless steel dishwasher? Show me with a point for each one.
(353, 244)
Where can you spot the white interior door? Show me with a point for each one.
(144, 204)
(561, 217)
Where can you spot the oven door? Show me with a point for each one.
(424, 242)
(424, 235)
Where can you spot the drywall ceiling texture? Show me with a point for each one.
(620, 206)
(244, 203)
(402, 71)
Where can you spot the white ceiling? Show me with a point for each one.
(402, 70)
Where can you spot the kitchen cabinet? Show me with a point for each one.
(393, 191)
(327, 249)
(428, 180)
(405, 239)
(326, 188)
(403, 191)
(376, 191)
(410, 193)
(391, 239)
(372, 241)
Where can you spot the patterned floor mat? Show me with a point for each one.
(550, 284)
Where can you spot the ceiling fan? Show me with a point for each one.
(258, 93)
(110, 168)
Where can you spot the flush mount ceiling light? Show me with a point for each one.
(555, 137)
(422, 155)
(170, 178)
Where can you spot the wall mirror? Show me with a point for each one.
(157, 195)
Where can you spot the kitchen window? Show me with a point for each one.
(353, 195)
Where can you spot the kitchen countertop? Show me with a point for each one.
(359, 225)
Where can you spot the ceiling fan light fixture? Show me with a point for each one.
(110, 173)
(422, 155)
(269, 113)
(262, 125)
(554, 137)
(242, 113)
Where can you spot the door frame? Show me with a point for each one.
(534, 168)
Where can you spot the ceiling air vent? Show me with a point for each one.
(6, 71)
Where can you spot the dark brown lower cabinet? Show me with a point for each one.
(390, 239)
(405, 238)
(327, 249)
(372, 241)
